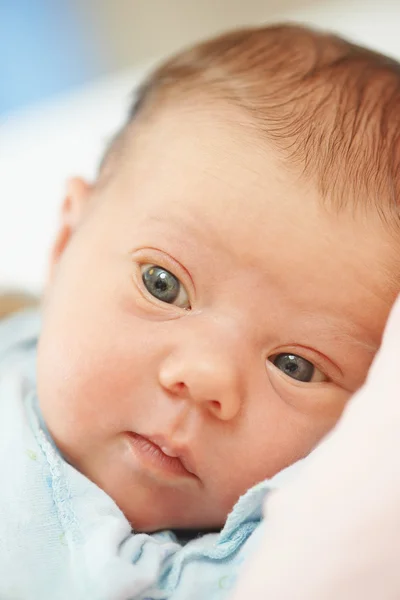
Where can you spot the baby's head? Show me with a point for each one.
(219, 292)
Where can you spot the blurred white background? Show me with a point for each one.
(67, 77)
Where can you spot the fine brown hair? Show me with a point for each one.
(330, 107)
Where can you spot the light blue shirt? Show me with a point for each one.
(62, 537)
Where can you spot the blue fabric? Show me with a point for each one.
(61, 537)
(46, 48)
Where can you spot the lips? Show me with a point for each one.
(157, 452)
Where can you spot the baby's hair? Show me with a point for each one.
(330, 107)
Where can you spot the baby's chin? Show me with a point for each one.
(152, 505)
(147, 517)
(153, 523)
(151, 519)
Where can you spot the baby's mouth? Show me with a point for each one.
(156, 453)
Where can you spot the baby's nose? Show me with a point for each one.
(208, 376)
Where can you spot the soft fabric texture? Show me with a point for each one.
(61, 537)
(334, 532)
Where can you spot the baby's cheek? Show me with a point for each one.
(279, 433)
(68, 386)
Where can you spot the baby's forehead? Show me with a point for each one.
(214, 168)
(187, 142)
(215, 155)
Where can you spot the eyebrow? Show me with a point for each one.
(176, 220)
(330, 327)
(176, 226)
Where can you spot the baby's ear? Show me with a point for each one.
(73, 209)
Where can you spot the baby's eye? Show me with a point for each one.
(297, 368)
(164, 286)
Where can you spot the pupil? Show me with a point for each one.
(291, 367)
(295, 366)
(161, 284)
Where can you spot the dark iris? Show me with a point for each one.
(161, 284)
(294, 366)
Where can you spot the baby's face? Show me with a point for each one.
(206, 322)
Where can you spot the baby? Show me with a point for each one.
(215, 297)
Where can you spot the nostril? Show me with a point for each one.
(215, 405)
(179, 387)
